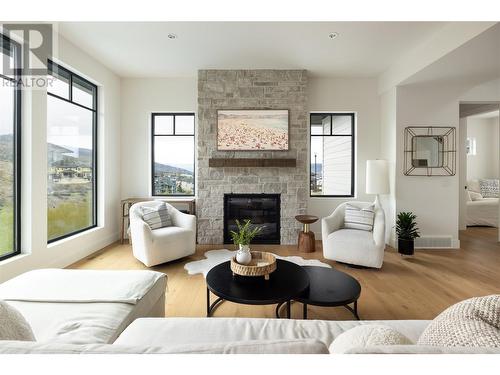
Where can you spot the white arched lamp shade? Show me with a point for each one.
(377, 177)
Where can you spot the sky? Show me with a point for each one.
(175, 151)
(68, 125)
(317, 147)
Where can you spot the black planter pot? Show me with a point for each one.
(406, 247)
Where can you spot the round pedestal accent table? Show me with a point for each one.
(306, 242)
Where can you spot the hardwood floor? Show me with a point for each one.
(417, 287)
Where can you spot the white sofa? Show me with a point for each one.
(157, 246)
(354, 246)
(84, 306)
(238, 335)
(71, 313)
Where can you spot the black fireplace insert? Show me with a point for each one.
(262, 209)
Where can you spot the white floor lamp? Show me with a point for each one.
(377, 178)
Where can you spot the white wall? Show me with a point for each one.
(434, 199)
(344, 95)
(141, 97)
(485, 163)
(35, 251)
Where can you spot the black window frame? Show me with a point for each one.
(353, 149)
(16, 159)
(50, 69)
(154, 115)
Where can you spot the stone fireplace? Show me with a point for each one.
(251, 89)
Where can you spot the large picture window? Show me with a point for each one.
(332, 155)
(71, 154)
(10, 147)
(173, 154)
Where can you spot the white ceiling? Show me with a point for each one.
(142, 49)
(478, 60)
(491, 114)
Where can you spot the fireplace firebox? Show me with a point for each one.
(262, 209)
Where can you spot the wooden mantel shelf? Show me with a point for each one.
(247, 162)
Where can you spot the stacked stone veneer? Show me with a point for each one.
(251, 89)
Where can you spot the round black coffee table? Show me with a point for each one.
(288, 282)
(330, 287)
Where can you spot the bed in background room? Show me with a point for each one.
(482, 203)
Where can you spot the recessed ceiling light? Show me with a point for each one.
(172, 36)
(333, 35)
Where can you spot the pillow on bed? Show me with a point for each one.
(13, 326)
(475, 196)
(489, 188)
(473, 185)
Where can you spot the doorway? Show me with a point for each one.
(479, 168)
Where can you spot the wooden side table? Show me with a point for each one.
(306, 242)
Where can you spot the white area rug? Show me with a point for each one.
(215, 257)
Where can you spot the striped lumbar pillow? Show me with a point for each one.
(359, 218)
(157, 216)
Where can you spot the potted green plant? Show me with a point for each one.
(407, 231)
(242, 238)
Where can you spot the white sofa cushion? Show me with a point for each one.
(366, 336)
(474, 322)
(13, 326)
(308, 346)
(80, 286)
(354, 247)
(420, 349)
(180, 331)
(170, 234)
(359, 217)
(156, 216)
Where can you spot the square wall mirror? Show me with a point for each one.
(429, 151)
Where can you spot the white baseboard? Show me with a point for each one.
(84, 252)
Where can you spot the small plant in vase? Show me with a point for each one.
(407, 231)
(242, 238)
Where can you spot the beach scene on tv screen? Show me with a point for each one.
(252, 130)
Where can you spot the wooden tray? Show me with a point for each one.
(262, 264)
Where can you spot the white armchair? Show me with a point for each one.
(157, 246)
(352, 246)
